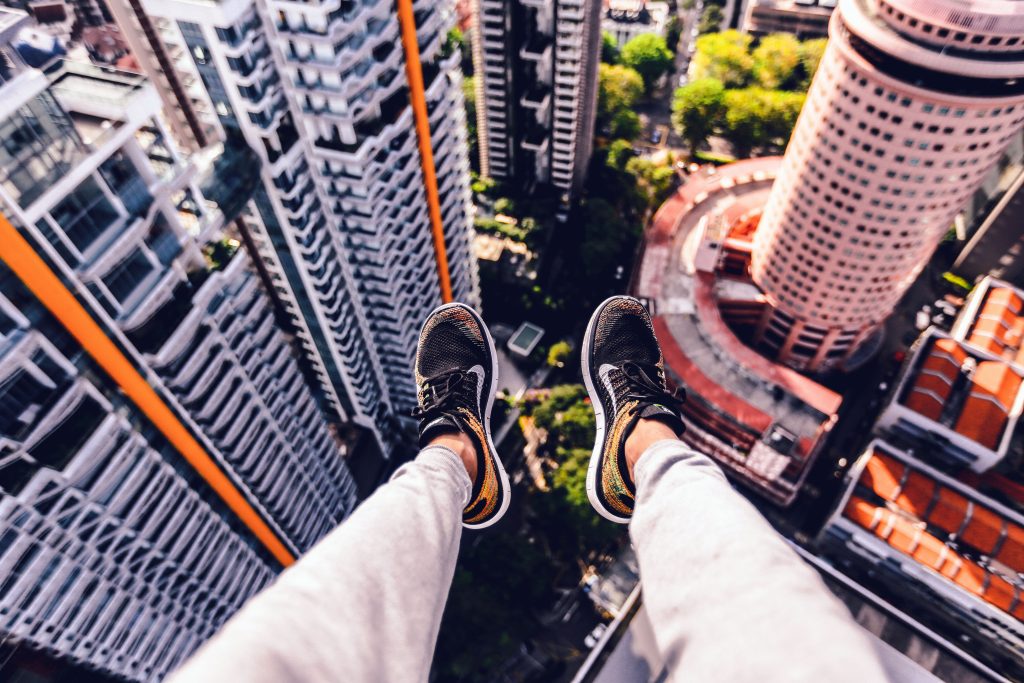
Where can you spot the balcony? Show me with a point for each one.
(95, 97)
(536, 48)
(535, 97)
(536, 140)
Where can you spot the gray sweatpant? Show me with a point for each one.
(728, 599)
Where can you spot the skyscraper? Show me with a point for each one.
(161, 453)
(352, 205)
(536, 70)
(912, 104)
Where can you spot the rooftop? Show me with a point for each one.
(966, 548)
(993, 320)
(764, 422)
(952, 386)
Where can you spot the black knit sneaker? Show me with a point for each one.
(456, 378)
(625, 375)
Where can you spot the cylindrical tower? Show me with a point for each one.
(913, 103)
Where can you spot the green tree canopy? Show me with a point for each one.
(619, 87)
(609, 48)
(469, 97)
(673, 32)
(725, 57)
(560, 398)
(811, 52)
(648, 54)
(626, 124)
(619, 152)
(558, 354)
(696, 109)
(776, 60)
(755, 117)
(653, 180)
(710, 19)
(606, 234)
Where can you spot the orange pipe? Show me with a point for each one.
(418, 98)
(21, 258)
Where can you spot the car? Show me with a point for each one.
(683, 79)
(594, 636)
(656, 136)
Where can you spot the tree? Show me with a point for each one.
(482, 184)
(745, 112)
(724, 56)
(776, 60)
(710, 19)
(653, 181)
(469, 97)
(811, 52)
(648, 54)
(560, 398)
(619, 153)
(609, 48)
(696, 109)
(558, 354)
(605, 239)
(504, 205)
(626, 124)
(673, 32)
(783, 111)
(618, 88)
(756, 117)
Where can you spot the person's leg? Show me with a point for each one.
(365, 604)
(728, 598)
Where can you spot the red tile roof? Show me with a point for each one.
(935, 378)
(999, 325)
(994, 387)
(940, 528)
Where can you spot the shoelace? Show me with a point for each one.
(441, 394)
(647, 391)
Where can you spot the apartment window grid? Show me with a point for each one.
(38, 145)
(861, 137)
(93, 564)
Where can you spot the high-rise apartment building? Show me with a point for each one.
(345, 217)
(536, 84)
(161, 453)
(913, 103)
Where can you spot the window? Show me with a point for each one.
(85, 214)
(126, 276)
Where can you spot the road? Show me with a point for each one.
(656, 114)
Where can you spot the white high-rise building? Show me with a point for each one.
(161, 452)
(536, 70)
(342, 216)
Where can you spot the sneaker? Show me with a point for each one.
(456, 378)
(625, 375)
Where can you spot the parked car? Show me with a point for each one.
(656, 136)
(683, 79)
(591, 640)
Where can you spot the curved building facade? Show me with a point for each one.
(914, 101)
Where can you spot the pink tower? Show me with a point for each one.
(913, 103)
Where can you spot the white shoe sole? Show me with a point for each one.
(502, 475)
(599, 419)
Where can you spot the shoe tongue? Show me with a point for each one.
(438, 425)
(667, 416)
